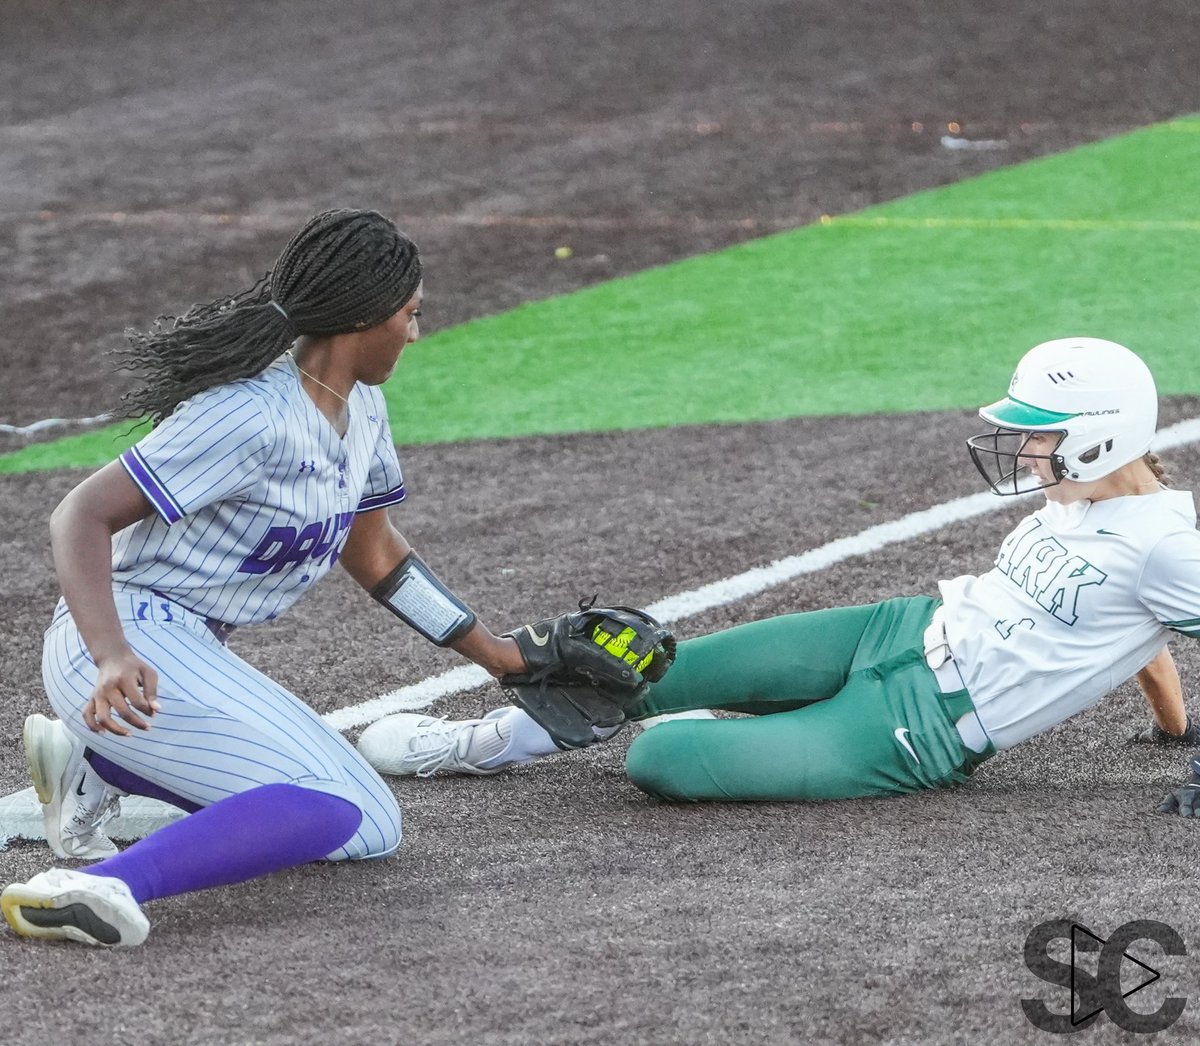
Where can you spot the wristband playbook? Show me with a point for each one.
(415, 594)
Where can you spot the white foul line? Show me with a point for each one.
(20, 814)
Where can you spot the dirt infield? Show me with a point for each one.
(156, 154)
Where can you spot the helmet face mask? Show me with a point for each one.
(1096, 396)
(1005, 460)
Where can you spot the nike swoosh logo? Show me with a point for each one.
(539, 640)
(1109, 533)
(901, 732)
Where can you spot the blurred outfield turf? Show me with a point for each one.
(921, 304)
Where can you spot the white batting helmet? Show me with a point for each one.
(1097, 394)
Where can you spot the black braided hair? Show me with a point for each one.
(346, 270)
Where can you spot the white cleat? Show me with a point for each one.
(76, 802)
(65, 905)
(412, 745)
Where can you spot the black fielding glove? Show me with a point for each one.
(587, 668)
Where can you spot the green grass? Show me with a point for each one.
(921, 304)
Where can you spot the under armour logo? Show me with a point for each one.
(307, 466)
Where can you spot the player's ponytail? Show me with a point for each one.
(346, 270)
(1158, 468)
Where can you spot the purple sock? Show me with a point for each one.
(128, 781)
(253, 833)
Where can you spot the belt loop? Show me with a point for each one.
(936, 645)
(219, 629)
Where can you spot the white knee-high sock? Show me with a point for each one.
(526, 739)
(510, 735)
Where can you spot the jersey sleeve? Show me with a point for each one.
(1170, 585)
(211, 449)
(385, 480)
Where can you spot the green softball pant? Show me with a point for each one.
(842, 704)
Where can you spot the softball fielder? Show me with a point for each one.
(264, 468)
(917, 692)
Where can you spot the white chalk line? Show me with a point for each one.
(20, 813)
(55, 423)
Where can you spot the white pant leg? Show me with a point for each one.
(224, 727)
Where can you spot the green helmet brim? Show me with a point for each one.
(1012, 413)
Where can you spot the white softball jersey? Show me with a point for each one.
(1080, 599)
(254, 494)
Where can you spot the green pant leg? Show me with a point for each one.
(764, 666)
(884, 733)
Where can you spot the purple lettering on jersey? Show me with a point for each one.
(301, 548)
(275, 544)
(344, 520)
(283, 546)
(329, 533)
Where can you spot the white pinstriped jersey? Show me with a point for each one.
(254, 493)
(1081, 598)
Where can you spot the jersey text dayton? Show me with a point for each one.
(283, 545)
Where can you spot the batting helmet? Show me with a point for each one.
(1097, 395)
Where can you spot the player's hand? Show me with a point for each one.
(1185, 800)
(126, 687)
(506, 658)
(1156, 735)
